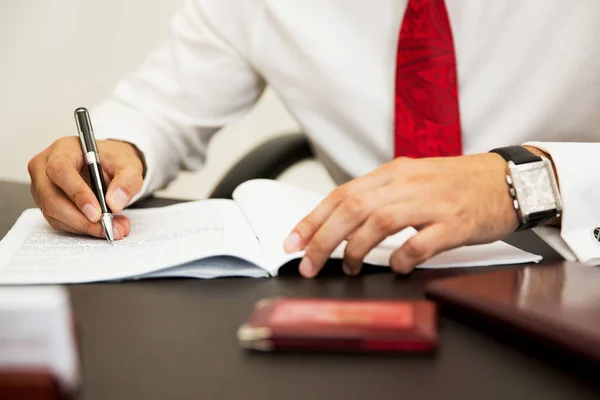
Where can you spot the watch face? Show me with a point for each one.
(534, 188)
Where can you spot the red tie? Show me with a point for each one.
(427, 120)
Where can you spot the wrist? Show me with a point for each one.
(532, 184)
(498, 168)
(537, 152)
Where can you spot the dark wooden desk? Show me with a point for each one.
(175, 339)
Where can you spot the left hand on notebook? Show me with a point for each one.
(452, 202)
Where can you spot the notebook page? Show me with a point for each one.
(213, 267)
(274, 208)
(33, 253)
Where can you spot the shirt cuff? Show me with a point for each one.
(577, 167)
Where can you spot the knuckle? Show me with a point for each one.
(64, 140)
(56, 168)
(339, 194)
(309, 226)
(49, 206)
(79, 196)
(354, 205)
(397, 163)
(86, 226)
(452, 203)
(384, 220)
(31, 166)
(417, 250)
(306, 226)
(392, 166)
(353, 253)
(317, 247)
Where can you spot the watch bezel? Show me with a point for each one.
(515, 169)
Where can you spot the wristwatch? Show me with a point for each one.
(532, 185)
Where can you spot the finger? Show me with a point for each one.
(64, 174)
(380, 224)
(61, 226)
(117, 155)
(428, 242)
(122, 223)
(118, 230)
(308, 226)
(346, 218)
(33, 167)
(34, 194)
(126, 183)
(55, 204)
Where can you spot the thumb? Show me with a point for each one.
(125, 184)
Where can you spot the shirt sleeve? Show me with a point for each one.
(578, 172)
(194, 83)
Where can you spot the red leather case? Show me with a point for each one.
(33, 385)
(341, 325)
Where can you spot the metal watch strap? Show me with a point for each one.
(520, 155)
(517, 154)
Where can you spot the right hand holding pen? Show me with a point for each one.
(66, 200)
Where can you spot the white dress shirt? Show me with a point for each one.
(528, 72)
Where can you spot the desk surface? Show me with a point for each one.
(175, 339)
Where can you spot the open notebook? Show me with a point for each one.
(201, 239)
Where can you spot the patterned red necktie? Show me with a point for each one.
(427, 119)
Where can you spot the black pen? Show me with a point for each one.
(91, 157)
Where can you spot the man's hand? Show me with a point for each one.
(59, 188)
(451, 201)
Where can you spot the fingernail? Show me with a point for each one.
(90, 212)
(401, 269)
(292, 242)
(348, 270)
(306, 268)
(118, 199)
(118, 234)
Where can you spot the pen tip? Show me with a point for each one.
(107, 225)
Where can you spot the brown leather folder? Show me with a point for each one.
(558, 304)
